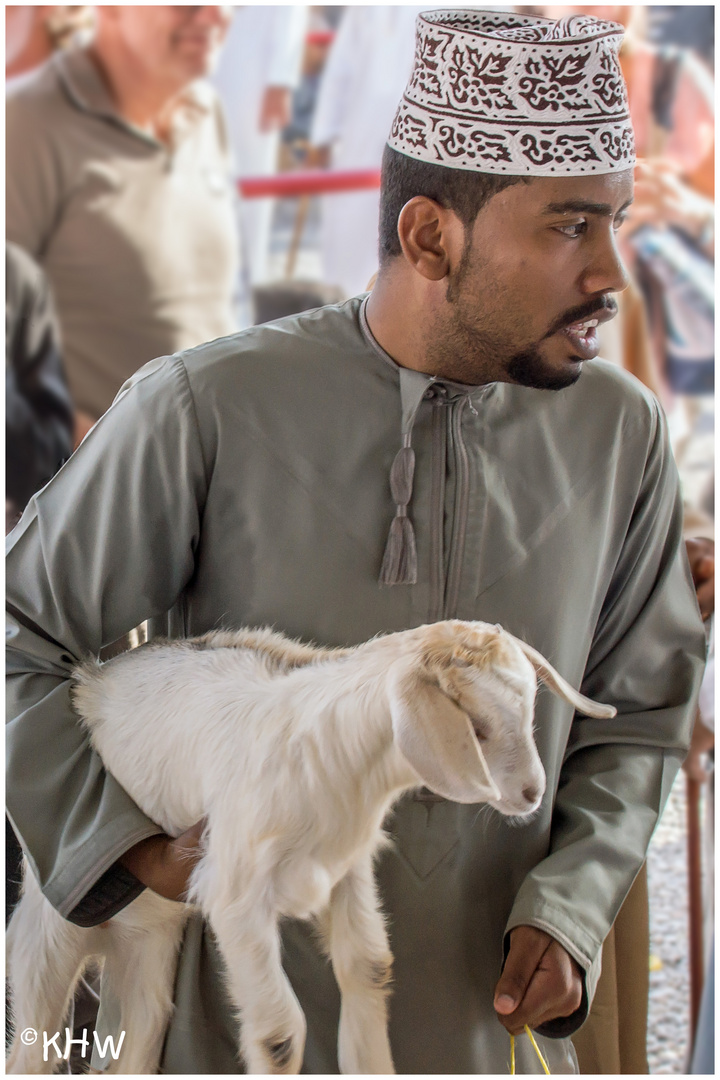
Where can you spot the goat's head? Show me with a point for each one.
(462, 714)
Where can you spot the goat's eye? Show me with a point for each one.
(481, 728)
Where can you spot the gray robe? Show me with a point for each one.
(245, 482)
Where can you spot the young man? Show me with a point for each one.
(251, 482)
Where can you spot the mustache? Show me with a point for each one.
(591, 309)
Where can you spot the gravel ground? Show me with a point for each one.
(669, 1010)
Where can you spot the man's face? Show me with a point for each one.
(178, 43)
(539, 266)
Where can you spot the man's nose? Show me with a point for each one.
(605, 271)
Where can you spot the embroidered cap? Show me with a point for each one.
(516, 94)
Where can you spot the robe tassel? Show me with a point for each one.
(399, 565)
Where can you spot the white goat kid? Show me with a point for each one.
(294, 755)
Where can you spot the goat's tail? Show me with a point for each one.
(86, 695)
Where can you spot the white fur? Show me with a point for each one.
(294, 755)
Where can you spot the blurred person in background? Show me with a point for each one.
(118, 184)
(258, 70)
(668, 241)
(38, 410)
(322, 27)
(367, 70)
(39, 419)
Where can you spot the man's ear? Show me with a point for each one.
(431, 237)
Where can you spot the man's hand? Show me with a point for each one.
(13, 513)
(318, 157)
(540, 981)
(164, 864)
(83, 423)
(703, 740)
(275, 109)
(662, 197)
(701, 553)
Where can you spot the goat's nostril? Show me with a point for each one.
(530, 793)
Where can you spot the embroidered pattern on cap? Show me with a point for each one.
(516, 94)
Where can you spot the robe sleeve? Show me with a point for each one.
(107, 544)
(338, 79)
(287, 40)
(647, 659)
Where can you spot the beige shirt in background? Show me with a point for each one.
(137, 238)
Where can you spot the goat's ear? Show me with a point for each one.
(552, 679)
(436, 737)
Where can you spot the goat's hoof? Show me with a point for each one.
(276, 1055)
(280, 1052)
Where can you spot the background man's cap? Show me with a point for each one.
(516, 94)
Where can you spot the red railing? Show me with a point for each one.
(307, 182)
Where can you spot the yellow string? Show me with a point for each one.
(537, 1051)
(536, 1048)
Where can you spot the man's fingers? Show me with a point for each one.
(186, 852)
(695, 769)
(703, 572)
(541, 982)
(192, 836)
(165, 864)
(706, 598)
(699, 548)
(554, 991)
(701, 556)
(527, 947)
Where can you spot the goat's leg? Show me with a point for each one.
(354, 930)
(45, 958)
(139, 973)
(272, 1024)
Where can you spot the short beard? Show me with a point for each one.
(529, 369)
(467, 357)
(473, 356)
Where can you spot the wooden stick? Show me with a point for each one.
(694, 901)
(300, 219)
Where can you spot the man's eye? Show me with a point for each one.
(619, 222)
(573, 230)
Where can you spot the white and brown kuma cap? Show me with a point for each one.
(516, 94)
